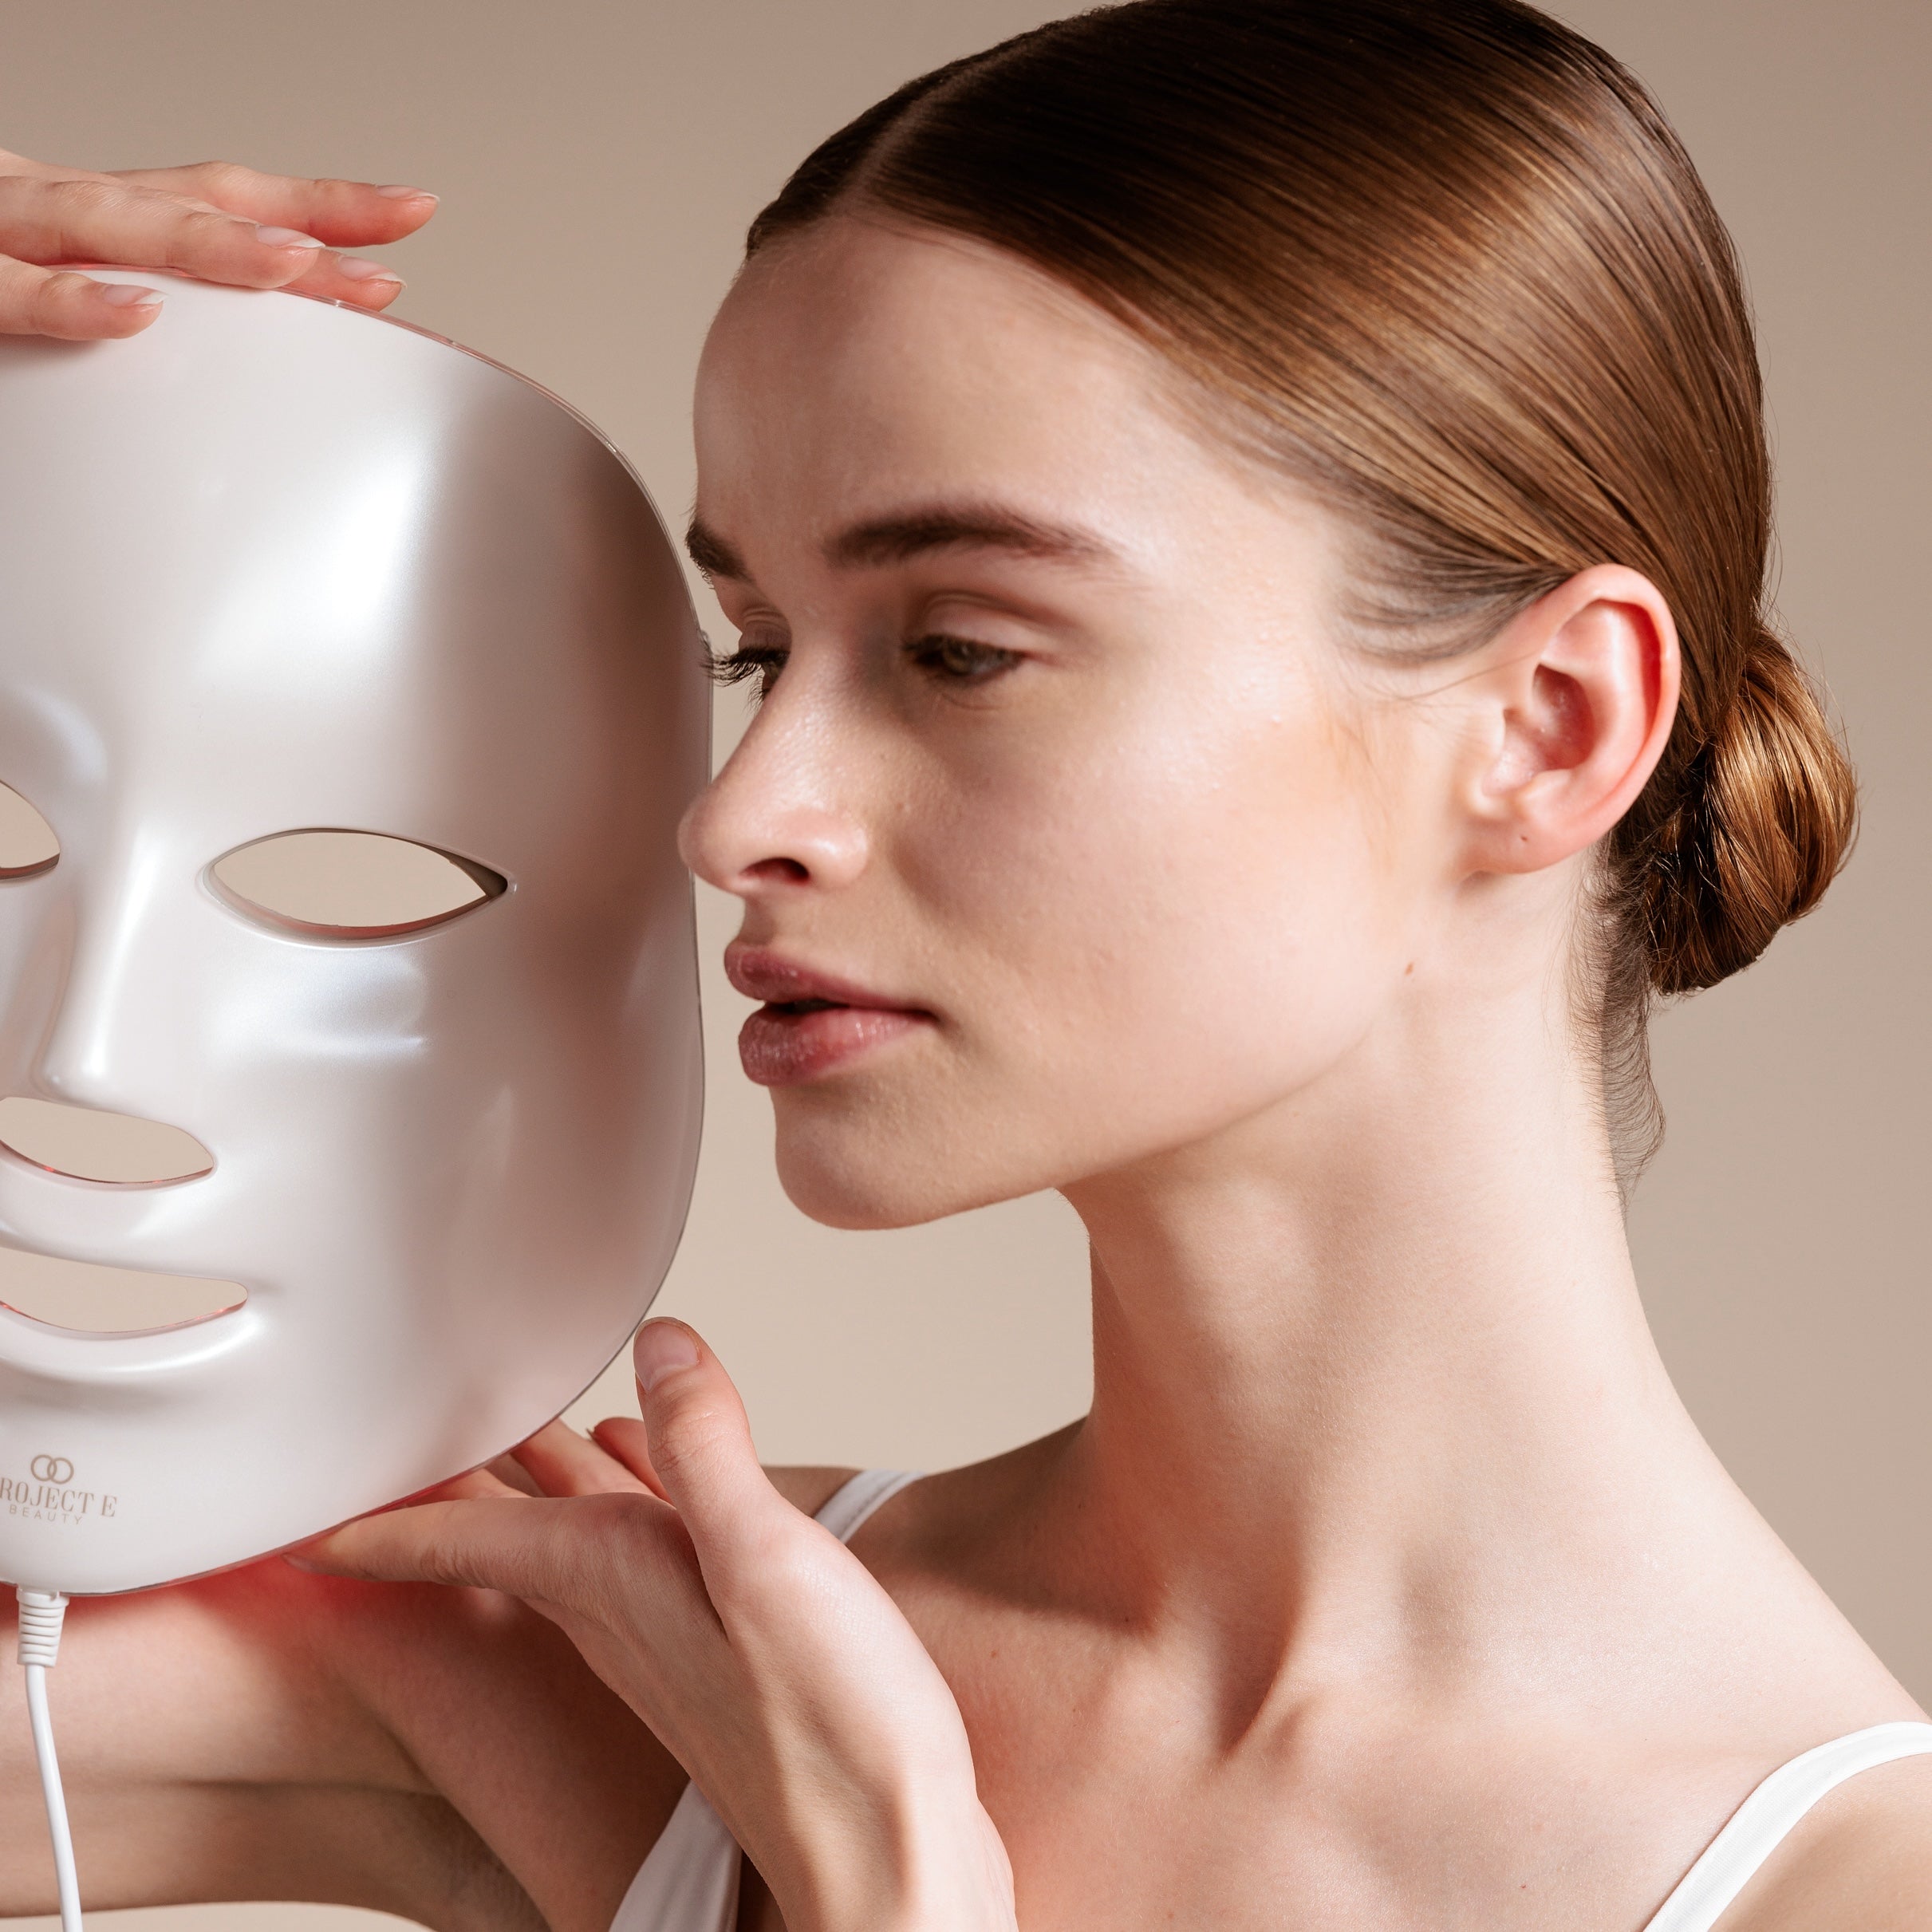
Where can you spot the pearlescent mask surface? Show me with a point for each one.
(278, 568)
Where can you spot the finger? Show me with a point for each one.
(566, 1464)
(83, 218)
(343, 214)
(700, 1446)
(624, 1437)
(513, 1475)
(497, 1478)
(473, 1485)
(499, 1543)
(71, 307)
(347, 278)
(19, 164)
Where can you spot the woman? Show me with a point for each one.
(1249, 523)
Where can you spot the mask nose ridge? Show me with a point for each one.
(99, 1000)
(92, 1144)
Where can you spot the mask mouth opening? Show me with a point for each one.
(91, 1298)
(91, 1144)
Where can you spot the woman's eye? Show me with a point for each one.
(749, 663)
(960, 660)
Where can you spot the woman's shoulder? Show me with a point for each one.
(1861, 1862)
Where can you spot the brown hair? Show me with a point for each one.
(1444, 262)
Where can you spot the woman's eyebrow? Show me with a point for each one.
(712, 554)
(911, 533)
(904, 534)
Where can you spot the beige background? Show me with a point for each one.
(598, 160)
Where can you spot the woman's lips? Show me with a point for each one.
(781, 1046)
(810, 1023)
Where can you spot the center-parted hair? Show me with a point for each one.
(1445, 263)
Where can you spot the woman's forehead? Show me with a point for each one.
(870, 330)
(872, 372)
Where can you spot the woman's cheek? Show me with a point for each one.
(1183, 940)
(1139, 926)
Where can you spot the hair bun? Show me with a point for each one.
(1768, 818)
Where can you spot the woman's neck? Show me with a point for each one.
(1375, 1392)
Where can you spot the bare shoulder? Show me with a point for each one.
(1862, 1861)
(217, 1744)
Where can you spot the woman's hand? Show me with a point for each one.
(215, 222)
(761, 1652)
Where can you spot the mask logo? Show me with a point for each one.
(50, 1497)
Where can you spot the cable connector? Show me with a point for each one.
(42, 1613)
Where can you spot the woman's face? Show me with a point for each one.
(1068, 835)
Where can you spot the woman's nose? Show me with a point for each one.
(773, 816)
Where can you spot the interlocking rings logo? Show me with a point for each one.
(53, 1469)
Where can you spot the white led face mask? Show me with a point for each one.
(276, 568)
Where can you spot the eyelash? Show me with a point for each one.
(748, 661)
(958, 662)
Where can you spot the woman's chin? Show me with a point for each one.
(850, 1175)
(851, 1193)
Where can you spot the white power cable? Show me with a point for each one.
(42, 1612)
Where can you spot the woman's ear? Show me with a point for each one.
(1575, 710)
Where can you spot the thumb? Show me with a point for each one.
(700, 1445)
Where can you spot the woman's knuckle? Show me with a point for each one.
(645, 1546)
(201, 235)
(628, 1528)
(77, 198)
(682, 1459)
(605, 1515)
(787, 1571)
(436, 1554)
(214, 177)
(50, 296)
(603, 1545)
(209, 224)
(445, 1560)
(610, 1558)
(690, 1424)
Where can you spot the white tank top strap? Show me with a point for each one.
(1765, 1818)
(845, 1511)
(689, 1881)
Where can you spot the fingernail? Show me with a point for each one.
(397, 191)
(287, 238)
(357, 270)
(662, 1349)
(130, 295)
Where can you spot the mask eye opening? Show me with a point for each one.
(28, 846)
(333, 883)
(492, 885)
